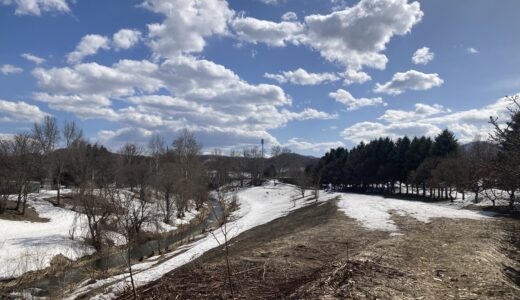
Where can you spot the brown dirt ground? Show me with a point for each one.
(319, 253)
(30, 214)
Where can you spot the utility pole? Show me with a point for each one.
(262, 148)
(262, 171)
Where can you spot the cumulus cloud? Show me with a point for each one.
(429, 120)
(122, 79)
(271, 33)
(19, 112)
(409, 80)
(421, 111)
(89, 45)
(302, 145)
(33, 58)
(353, 37)
(126, 38)
(36, 7)
(422, 56)
(366, 131)
(302, 77)
(186, 25)
(10, 69)
(181, 92)
(352, 103)
(290, 16)
(351, 76)
(356, 36)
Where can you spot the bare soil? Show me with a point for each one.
(319, 253)
(31, 215)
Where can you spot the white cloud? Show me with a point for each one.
(472, 50)
(352, 103)
(33, 58)
(302, 77)
(356, 36)
(270, 2)
(271, 33)
(89, 45)
(195, 93)
(429, 120)
(36, 7)
(309, 114)
(409, 80)
(83, 106)
(290, 16)
(422, 56)
(421, 111)
(302, 145)
(351, 76)
(186, 25)
(126, 38)
(122, 79)
(366, 131)
(19, 112)
(10, 69)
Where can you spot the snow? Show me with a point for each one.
(258, 205)
(28, 246)
(375, 212)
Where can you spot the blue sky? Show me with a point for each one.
(305, 74)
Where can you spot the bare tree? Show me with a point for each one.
(278, 154)
(72, 134)
(6, 165)
(228, 205)
(221, 169)
(93, 196)
(254, 159)
(46, 134)
(157, 149)
(168, 176)
(186, 151)
(303, 182)
(24, 152)
(506, 168)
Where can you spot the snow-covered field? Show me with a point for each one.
(29, 246)
(258, 205)
(374, 212)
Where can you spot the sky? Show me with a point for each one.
(305, 74)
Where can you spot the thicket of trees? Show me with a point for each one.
(437, 168)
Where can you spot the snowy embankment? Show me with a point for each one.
(258, 205)
(29, 246)
(374, 212)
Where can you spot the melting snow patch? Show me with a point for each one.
(374, 212)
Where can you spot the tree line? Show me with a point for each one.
(438, 168)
